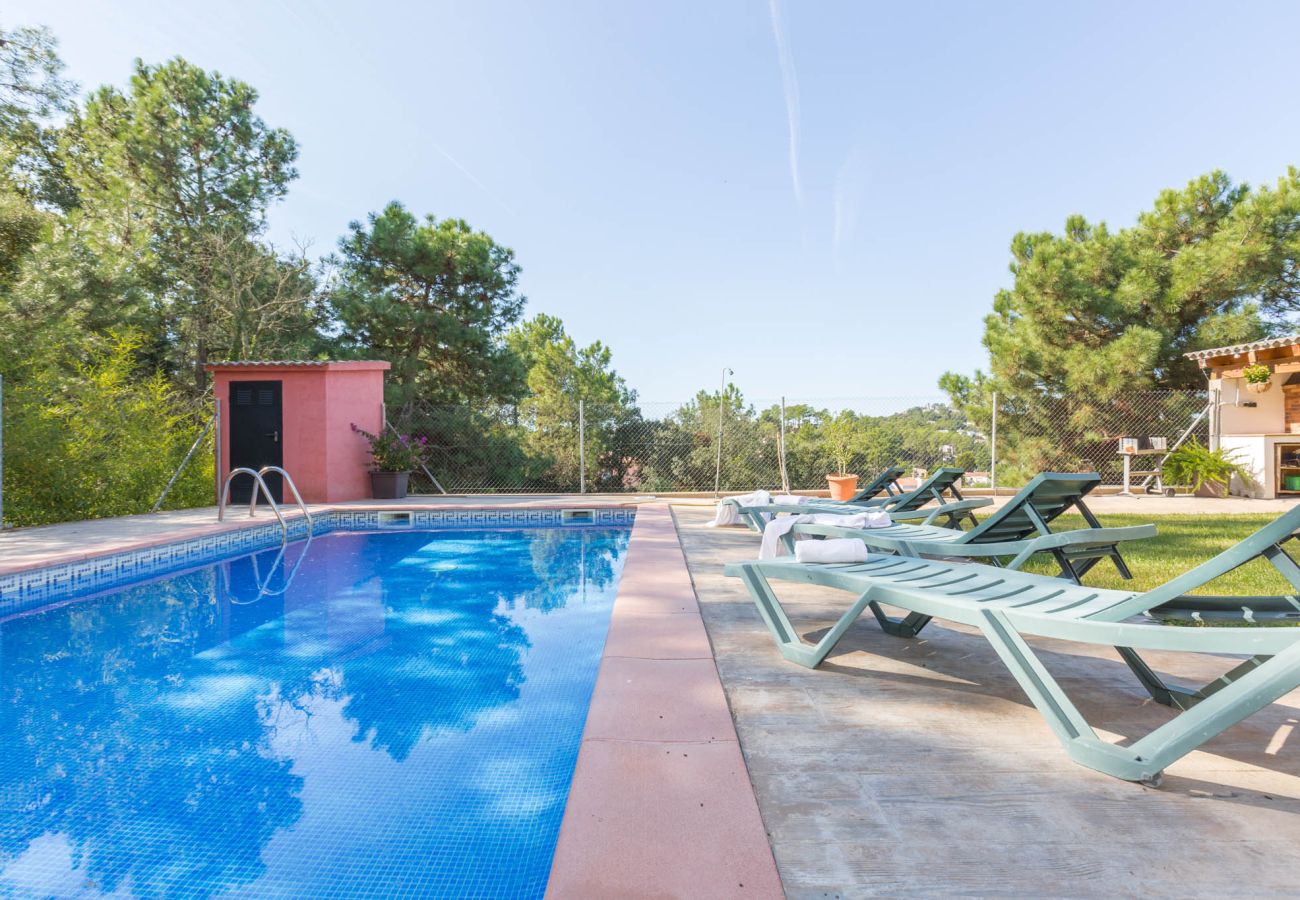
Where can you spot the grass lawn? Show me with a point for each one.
(1183, 541)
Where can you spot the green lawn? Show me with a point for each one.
(1183, 541)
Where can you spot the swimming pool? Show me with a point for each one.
(380, 714)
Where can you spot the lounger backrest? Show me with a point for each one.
(1048, 495)
(883, 482)
(1265, 542)
(942, 482)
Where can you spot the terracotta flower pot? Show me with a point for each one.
(1258, 387)
(1212, 489)
(388, 485)
(842, 486)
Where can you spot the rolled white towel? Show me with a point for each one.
(872, 518)
(794, 500)
(831, 550)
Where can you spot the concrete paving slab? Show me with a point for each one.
(659, 846)
(918, 768)
(658, 636)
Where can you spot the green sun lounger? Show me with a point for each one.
(941, 486)
(1015, 533)
(885, 483)
(1007, 605)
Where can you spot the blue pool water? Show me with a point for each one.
(401, 720)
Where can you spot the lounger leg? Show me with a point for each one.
(1120, 564)
(1179, 697)
(907, 627)
(1067, 567)
(1247, 689)
(793, 647)
(1227, 705)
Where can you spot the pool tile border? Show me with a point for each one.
(661, 804)
(28, 588)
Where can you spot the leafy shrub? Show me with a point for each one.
(100, 441)
(1196, 465)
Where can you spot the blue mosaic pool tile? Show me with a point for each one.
(399, 716)
(28, 589)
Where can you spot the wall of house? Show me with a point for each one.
(1268, 416)
(1253, 453)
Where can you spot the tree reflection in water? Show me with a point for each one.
(147, 727)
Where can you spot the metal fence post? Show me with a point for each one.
(993, 448)
(582, 447)
(2, 452)
(722, 406)
(216, 450)
(780, 449)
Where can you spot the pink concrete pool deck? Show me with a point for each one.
(47, 545)
(661, 803)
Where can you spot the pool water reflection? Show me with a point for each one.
(402, 717)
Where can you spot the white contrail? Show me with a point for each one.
(790, 80)
(850, 185)
(470, 175)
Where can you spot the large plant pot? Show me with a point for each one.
(842, 486)
(1212, 489)
(1259, 387)
(388, 485)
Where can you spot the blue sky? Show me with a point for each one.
(819, 195)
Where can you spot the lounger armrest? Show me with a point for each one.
(1082, 537)
(1153, 636)
(929, 513)
(1022, 551)
(812, 509)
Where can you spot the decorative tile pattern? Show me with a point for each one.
(24, 590)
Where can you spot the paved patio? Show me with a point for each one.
(918, 768)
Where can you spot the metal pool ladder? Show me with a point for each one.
(259, 484)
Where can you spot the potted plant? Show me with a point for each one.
(1259, 378)
(841, 439)
(1207, 472)
(393, 457)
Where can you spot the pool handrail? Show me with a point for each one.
(258, 484)
(288, 479)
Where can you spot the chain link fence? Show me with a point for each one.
(1079, 435)
(700, 445)
(703, 445)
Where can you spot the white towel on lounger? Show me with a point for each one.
(728, 511)
(831, 550)
(776, 529)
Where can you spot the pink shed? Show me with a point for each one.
(306, 417)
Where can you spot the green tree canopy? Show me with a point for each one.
(163, 170)
(435, 298)
(1094, 315)
(560, 374)
(1093, 312)
(33, 93)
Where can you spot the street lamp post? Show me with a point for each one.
(722, 400)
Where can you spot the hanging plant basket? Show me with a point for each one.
(1259, 377)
